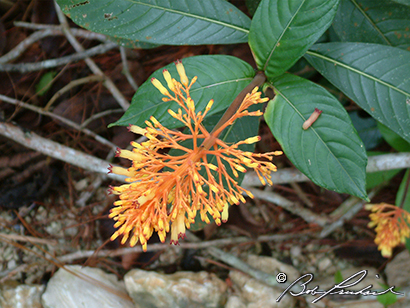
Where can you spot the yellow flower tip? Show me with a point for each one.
(173, 114)
(159, 86)
(386, 252)
(114, 236)
(369, 207)
(168, 79)
(225, 213)
(136, 129)
(190, 104)
(133, 240)
(209, 105)
(144, 247)
(178, 229)
(119, 170)
(252, 140)
(181, 72)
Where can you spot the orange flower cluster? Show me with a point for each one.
(392, 226)
(167, 190)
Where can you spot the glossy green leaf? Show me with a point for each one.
(394, 140)
(374, 179)
(132, 44)
(373, 21)
(367, 129)
(376, 77)
(282, 31)
(330, 152)
(220, 77)
(161, 21)
(403, 194)
(403, 2)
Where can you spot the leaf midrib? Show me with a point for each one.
(357, 71)
(367, 17)
(244, 30)
(282, 34)
(314, 130)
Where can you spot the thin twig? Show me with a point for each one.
(290, 206)
(100, 115)
(237, 263)
(301, 194)
(126, 70)
(50, 63)
(350, 208)
(49, 30)
(71, 85)
(58, 28)
(91, 64)
(156, 247)
(26, 238)
(59, 118)
(56, 150)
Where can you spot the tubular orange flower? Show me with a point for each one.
(166, 192)
(392, 226)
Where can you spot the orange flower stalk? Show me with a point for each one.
(167, 190)
(392, 226)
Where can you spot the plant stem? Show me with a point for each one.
(257, 81)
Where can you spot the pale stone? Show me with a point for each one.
(179, 290)
(235, 302)
(257, 294)
(96, 289)
(398, 270)
(22, 296)
(272, 266)
(398, 273)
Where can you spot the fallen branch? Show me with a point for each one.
(56, 150)
(50, 63)
(59, 118)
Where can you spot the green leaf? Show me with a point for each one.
(369, 21)
(132, 43)
(403, 194)
(45, 83)
(394, 140)
(338, 277)
(403, 198)
(160, 21)
(367, 129)
(282, 31)
(376, 77)
(404, 2)
(388, 298)
(330, 152)
(374, 179)
(220, 77)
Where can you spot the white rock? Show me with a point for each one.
(99, 290)
(398, 273)
(22, 296)
(182, 289)
(235, 302)
(256, 294)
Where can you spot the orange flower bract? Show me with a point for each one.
(165, 190)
